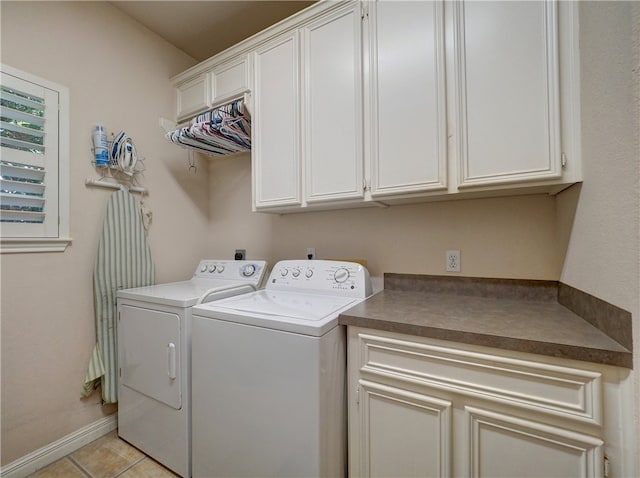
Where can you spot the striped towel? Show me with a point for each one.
(123, 261)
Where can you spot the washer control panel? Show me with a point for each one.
(245, 271)
(342, 278)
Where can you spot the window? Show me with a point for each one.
(34, 163)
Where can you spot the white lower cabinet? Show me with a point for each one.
(420, 407)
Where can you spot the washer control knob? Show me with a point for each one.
(203, 268)
(220, 269)
(295, 272)
(341, 275)
(248, 270)
(212, 268)
(284, 272)
(309, 273)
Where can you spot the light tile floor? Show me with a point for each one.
(107, 457)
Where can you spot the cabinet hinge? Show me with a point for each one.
(358, 395)
(605, 465)
(120, 372)
(563, 160)
(364, 11)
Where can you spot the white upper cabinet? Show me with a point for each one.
(407, 98)
(193, 96)
(375, 102)
(212, 83)
(276, 166)
(332, 106)
(507, 79)
(229, 80)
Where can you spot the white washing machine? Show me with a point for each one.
(154, 356)
(269, 371)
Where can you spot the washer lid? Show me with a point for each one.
(309, 314)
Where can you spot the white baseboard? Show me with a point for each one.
(46, 455)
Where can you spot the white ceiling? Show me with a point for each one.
(203, 28)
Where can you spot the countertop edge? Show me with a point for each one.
(564, 351)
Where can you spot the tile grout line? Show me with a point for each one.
(79, 466)
(130, 466)
(89, 475)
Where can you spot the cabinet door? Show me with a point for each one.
(502, 445)
(229, 80)
(407, 97)
(403, 433)
(333, 106)
(276, 147)
(193, 97)
(507, 83)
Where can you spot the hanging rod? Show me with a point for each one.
(106, 184)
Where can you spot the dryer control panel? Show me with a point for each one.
(244, 271)
(348, 279)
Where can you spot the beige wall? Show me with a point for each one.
(117, 74)
(499, 237)
(603, 256)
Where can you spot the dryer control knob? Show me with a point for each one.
(295, 272)
(284, 272)
(248, 270)
(309, 273)
(212, 268)
(341, 275)
(220, 269)
(203, 268)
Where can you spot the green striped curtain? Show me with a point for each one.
(123, 261)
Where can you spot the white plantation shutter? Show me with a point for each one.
(30, 160)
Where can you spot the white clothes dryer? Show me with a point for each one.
(269, 371)
(154, 356)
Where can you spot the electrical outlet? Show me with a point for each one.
(453, 261)
(311, 253)
(240, 255)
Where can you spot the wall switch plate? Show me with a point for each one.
(453, 261)
(241, 254)
(311, 253)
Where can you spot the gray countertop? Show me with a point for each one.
(535, 326)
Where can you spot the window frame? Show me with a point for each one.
(38, 243)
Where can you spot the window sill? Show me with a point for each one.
(9, 245)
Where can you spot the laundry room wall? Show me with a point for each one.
(512, 237)
(603, 253)
(118, 75)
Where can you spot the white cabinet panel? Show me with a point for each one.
(333, 106)
(193, 97)
(407, 85)
(499, 444)
(229, 80)
(276, 132)
(507, 77)
(563, 391)
(404, 434)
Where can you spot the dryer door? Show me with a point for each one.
(149, 353)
